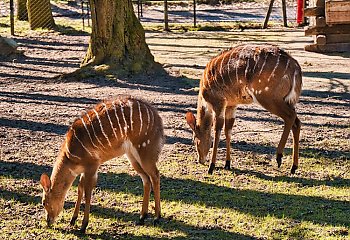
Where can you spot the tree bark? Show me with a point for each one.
(40, 14)
(117, 38)
(22, 13)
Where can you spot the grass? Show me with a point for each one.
(252, 201)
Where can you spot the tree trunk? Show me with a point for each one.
(22, 13)
(40, 14)
(117, 38)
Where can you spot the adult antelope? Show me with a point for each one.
(245, 74)
(113, 128)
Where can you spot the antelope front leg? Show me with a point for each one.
(90, 182)
(230, 113)
(219, 123)
(77, 204)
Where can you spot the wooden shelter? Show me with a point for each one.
(329, 25)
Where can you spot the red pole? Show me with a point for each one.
(300, 11)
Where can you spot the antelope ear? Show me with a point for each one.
(191, 120)
(45, 182)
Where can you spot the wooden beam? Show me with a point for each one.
(328, 48)
(334, 29)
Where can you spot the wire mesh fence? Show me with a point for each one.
(44, 14)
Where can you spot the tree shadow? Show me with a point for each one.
(167, 224)
(318, 210)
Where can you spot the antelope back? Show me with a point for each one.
(244, 72)
(102, 132)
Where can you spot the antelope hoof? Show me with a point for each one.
(82, 230)
(294, 167)
(227, 165)
(156, 221)
(141, 221)
(211, 168)
(72, 221)
(279, 159)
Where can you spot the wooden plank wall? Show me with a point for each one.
(329, 25)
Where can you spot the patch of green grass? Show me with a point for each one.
(237, 204)
(64, 26)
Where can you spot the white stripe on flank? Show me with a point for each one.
(228, 66)
(81, 143)
(256, 63)
(69, 152)
(286, 67)
(237, 65)
(110, 120)
(216, 74)
(125, 123)
(92, 142)
(140, 115)
(116, 116)
(148, 121)
(103, 132)
(246, 68)
(292, 96)
(274, 69)
(93, 130)
(262, 67)
(222, 61)
(131, 112)
(152, 121)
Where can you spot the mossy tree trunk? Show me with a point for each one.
(22, 13)
(40, 14)
(117, 38)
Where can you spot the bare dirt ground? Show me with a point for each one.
(36, 110)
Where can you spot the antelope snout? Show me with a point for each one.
(201, 160)
(49, 221)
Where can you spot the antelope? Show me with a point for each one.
(263, 74)
(125, 125)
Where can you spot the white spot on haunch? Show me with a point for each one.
(266, 88)
(144, 144)
(148, 141)
(259, 92)
(259, 81)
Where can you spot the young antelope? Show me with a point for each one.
(263, 74)
(125, 125)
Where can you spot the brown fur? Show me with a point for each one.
(123, 126)
(242, 75)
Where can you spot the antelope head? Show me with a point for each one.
(52, 203)
(201, 135)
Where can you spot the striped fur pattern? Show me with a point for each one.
(102, 132)
(264, 74)
(249, 72)
(125, 125)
